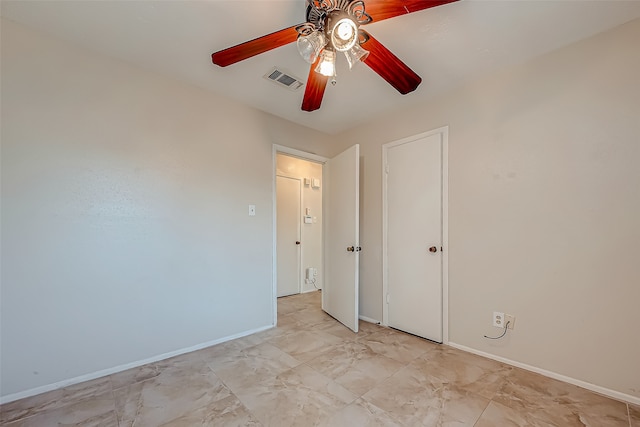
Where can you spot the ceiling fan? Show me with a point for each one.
(334, 26)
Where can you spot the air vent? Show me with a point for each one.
(282, 78)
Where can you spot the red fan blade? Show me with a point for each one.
(254, 47)
(385, 9)
(313, 93)
(389, 66)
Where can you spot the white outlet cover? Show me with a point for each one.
(498, 319)
(509, 319)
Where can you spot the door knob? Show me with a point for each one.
(433, 249)
(350, 249)
(297, 242)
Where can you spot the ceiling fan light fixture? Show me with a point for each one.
(311, 45)
(343, 31)
(355, 55)
(327, 64)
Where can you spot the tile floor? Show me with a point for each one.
(310, 371)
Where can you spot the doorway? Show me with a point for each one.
(415, 235)
(335, 220)
(299, 225)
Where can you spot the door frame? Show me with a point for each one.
(444, 135)
(274, 266)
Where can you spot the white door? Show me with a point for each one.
(342, 244)
(288, 211)
(413, 176)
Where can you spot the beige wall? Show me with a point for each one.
(544, 212)
(125, 227)
(124, 210)
(310, 234)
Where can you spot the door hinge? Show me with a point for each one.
(387, 298)
(386, 168)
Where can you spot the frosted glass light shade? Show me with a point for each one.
(327, 65)
(355, 55)
(344, 34)
(311, 45)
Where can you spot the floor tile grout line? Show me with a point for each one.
(250, 411)
(11, 421)
(113, 400)
(482, 413)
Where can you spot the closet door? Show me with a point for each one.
(413, 230)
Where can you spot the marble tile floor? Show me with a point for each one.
(312, 371)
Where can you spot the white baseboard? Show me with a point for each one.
(369, 319)
(120, 368)
(593, 387)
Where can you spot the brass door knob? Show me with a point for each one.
(433, 249)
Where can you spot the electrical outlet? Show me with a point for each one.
(510, 320)
(498, 319)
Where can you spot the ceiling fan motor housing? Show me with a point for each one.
(319, 12)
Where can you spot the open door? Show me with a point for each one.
(342, 240)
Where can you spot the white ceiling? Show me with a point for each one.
(446, 46)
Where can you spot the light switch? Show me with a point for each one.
(315, 183)
(252, 210)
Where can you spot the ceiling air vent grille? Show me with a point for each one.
(282, 78)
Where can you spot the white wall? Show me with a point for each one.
(544, 212)
(125, 232)
(310, 234)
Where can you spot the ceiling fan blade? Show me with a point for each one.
(313, 93)
(385, 9)
(389, 66)
(254, 47)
